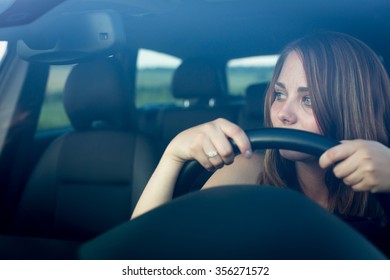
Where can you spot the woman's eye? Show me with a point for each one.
(307, 101)
(279, 96)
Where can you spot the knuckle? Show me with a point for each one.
(369, 167)
(209, 126)
(235, 130)
(220, 120)
(356, 144)
(332, 154)
(226, 152)
(195, 145)
(192, 149)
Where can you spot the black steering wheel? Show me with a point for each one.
(264, 138)
(238, 222)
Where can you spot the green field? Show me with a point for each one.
(53, 114)
(153, 87)
(154, 84)
(241, 77)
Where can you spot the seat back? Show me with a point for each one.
(90, 179)
(252, 115)
(200, 84)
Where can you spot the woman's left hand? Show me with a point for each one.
(363, 165)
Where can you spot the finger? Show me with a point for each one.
(197, 151)
(353, 180)
(204, 161)
(337, 153)
(213, 154)
(215, 140)
(346, 168)
(234, 132)
(223, 146)
(361, 186)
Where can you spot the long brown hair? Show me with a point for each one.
(350, 93)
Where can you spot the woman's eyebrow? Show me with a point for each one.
(281, 85)
(303, 90)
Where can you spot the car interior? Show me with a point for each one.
(105, 161)
(84, 123)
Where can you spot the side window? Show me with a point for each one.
(53, 113)
(154, 75)
(3, 50)
(246, 71)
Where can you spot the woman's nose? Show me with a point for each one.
(287, 115)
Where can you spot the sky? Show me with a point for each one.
(265, 60)
(152, 59)
(148, 59)
(3, 46)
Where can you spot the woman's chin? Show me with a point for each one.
(295, 156)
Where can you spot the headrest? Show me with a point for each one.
(97, 92)
(254, 99)
(196, 79)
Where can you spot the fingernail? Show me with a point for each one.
(248, 154)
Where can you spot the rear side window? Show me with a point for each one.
(249, 70)
(53, 113)
(154, 76)
(3, 50)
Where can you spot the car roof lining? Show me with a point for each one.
(156, 24)
(25, 11)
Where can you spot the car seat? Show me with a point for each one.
(200, 85)
(90, 179)
(252, 115)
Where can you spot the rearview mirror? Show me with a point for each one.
(72, 37)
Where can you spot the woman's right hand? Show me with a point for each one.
(196, 143)
(208, 144)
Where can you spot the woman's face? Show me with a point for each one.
(291, 107)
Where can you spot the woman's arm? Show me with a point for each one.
(207, 143)
(159, 188)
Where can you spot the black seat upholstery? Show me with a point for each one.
(252, 115)
(200, 85)
(89, 180)
(198, 82)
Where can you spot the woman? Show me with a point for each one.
(327, 83)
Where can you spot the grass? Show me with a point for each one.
(53, 113)
(153, 87)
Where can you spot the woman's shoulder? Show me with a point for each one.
(242, 171)
(257, 157)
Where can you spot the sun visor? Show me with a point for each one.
(73, 37)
